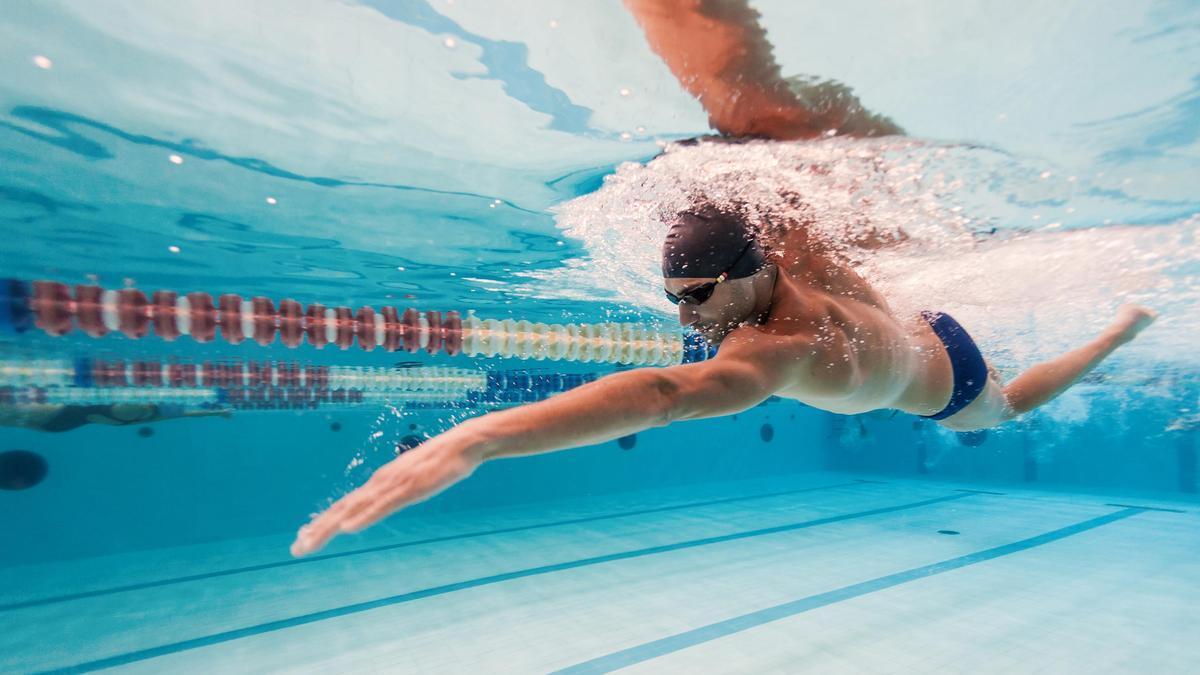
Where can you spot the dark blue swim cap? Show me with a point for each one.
(705, 241)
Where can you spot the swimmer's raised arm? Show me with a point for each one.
(720, 54)
(611, 407)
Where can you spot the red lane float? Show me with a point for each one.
(58, 309)
(54, 308)
(88, 311)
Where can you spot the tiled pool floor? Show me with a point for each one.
(819, 572)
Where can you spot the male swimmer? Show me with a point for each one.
(790, 315)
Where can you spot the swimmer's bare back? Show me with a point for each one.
(720, 54)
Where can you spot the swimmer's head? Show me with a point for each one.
(715, 271)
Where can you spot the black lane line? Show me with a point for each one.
(24, 604)
(720, 629)
(1148, 508)
(982, 492)
(270, 626)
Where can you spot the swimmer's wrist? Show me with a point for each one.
(474, 444)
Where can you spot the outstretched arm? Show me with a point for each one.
(608, 408)
(720, 54)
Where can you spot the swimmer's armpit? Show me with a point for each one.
(720, 54)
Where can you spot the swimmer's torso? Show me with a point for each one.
(869, 359)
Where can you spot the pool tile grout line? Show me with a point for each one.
(336, 612)
(1148, 508)
(697, 636)
(25, 604)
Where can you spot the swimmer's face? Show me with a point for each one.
(732, 302)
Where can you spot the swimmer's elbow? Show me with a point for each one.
(667, 400)
(712, 389)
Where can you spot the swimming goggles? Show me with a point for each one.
(698, 295)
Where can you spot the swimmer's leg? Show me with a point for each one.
(1043, 382)
(999, 403)
(123, 414)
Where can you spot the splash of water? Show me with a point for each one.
(1012, 247)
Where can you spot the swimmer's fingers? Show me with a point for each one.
(410, 478)
(313, 536)
(380, 508)
(390, 488)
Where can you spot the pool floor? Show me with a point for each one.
(821, 572)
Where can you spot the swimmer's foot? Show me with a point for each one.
(1131, 320)
(1042, 382)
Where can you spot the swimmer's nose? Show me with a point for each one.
(688, 316)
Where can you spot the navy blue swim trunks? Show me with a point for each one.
(970, 370)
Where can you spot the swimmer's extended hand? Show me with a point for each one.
(750, 367)
(412, 477)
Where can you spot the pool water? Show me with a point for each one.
(507, 162)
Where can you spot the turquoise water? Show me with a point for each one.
(508, 160)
